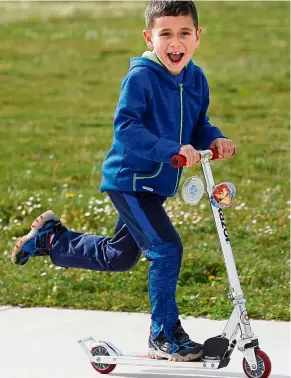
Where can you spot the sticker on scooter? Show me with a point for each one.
(223, 195)
(193, 190)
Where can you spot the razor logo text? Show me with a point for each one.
(222, 221)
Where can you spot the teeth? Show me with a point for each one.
(176, 53)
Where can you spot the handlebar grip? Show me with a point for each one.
(178, 161)
(215, 153)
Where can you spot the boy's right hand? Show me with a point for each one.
(192, 156)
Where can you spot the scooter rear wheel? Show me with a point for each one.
(101, 368)
(264, 366)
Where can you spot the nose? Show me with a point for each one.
(175, 42)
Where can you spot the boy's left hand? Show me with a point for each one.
(224, 146)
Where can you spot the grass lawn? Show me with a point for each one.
(60, 70)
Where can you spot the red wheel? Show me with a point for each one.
(264, 366)
(101, 368)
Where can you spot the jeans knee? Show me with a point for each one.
(166, 251)
(123, 263)
(123, 267)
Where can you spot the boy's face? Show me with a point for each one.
(174, 39)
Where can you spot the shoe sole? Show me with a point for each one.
(175, 357)
(36, 225)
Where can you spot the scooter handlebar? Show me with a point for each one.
(178, 161)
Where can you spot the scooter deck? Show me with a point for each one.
(116, 357)
(137, 360)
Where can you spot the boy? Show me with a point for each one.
(161, 112)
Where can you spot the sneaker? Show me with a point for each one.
(38, 241)
(182, 338)
(164, 348)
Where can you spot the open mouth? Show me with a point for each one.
(175, 57)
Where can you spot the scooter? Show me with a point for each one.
(217, 351)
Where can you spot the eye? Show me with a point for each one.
(185, 33)
(165, 34)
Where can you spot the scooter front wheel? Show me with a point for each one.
(101, 368)
(264, 366)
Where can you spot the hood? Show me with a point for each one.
(150, 60)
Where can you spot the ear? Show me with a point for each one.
(198, 36)
(148, 38)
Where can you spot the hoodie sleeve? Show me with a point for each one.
(129, 130)
(204, 133)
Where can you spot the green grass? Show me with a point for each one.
(61, 68)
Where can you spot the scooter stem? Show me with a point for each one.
(236, 292)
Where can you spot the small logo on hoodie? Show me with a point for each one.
(147, 188)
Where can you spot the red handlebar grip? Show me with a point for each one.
(215, 153)
(178, 161)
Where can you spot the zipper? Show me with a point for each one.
(181, 130)
(181, 103)
(146, 177)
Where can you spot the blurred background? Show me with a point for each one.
(61, 67)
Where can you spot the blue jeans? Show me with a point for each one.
(143, 227)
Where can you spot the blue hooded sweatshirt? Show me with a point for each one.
(155, 116)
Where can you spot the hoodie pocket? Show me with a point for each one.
(139, 177)
(137, 164)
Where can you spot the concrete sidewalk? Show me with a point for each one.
(43, 343)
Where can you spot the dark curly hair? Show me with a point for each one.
(162, 8)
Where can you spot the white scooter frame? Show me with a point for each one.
(104, 356)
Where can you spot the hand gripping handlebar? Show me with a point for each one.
(178, 161)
